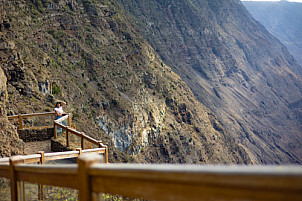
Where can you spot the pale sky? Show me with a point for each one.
(300, 1)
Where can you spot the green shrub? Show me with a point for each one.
(56, 89)
(75, 115)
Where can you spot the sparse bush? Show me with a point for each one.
(56, 89)
(75, 115)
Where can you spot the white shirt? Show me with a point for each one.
(59, 110)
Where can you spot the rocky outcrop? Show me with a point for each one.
(234, 67)
(9, 140)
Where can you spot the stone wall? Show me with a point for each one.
(57, 146)
(32, 135)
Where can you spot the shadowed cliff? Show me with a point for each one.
(234, 67)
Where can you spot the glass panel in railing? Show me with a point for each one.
(44, 192)
(64, 122)
(60, 193)
(110, 197)
(89, 145)
(5, 189)
(29, 191)
(61, 136)
(38, 121)
(74, 141)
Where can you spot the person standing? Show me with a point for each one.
(59, 113)
(59, 110)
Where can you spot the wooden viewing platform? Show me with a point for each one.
(67, 129)
(152, 181)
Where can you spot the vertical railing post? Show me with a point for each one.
(82, 141)
(20, 121)
(106, 153)
(79, 150)
(67, 136)
(16, 190)
(85, 188)
(42, 158)
(101, 145)
(41, 188)
(54, 130)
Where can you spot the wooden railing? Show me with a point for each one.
(67, 129)
(6, 166)
(161, 182)
(42, 157)
(8, 170)
(21, 116)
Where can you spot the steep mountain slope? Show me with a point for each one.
(90, 54)
(234, 67)
(283, 20)
(9, 140)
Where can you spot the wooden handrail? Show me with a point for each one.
(21, 116)
(4, 160)
(34, 158)
(61, 119)
(77, 133)
(168, 182)
(71, 154)
(186, 182)
(58, 175)
(96, 150)
(61, 155)
(31, 115)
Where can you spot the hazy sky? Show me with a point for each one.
(300, 1)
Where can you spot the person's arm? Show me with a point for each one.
(63, 104)
(57, 113)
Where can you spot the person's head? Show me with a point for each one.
(58, 104)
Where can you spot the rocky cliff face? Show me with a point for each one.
(283, 20)
(234, 67)
(9, 140)
(91, 54)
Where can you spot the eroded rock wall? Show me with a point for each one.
(10, 144)
(234, 67)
